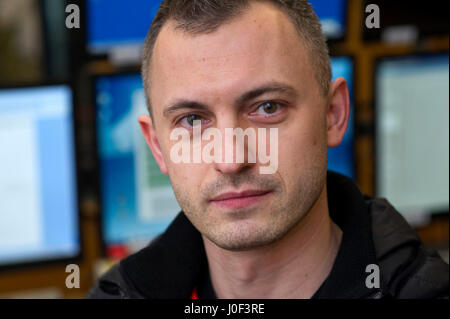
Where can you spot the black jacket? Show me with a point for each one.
(373, 233)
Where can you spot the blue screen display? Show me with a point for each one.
(332, 15)
(38, 210)
(137, 199)
(115, 23)
(112, 23)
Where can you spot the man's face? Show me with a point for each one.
(212, 74)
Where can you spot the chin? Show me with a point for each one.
(243, 236)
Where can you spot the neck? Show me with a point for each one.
(293, 267)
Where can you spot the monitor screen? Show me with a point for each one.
(115, 23)
(341, 158)
(39, 203)
(111, 24)
(412, 138)
(136, 197)
(332, 15)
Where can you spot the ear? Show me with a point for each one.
(338, 111)
(149, 133)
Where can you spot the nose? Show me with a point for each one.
(232, 168)
(236, 147)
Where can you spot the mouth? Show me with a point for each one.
(236, 200)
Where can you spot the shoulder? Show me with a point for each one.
(112, 285)
(408, 269)
(167, 268)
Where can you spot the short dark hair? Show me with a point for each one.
(205, 16)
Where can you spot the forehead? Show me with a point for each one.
(258, 46)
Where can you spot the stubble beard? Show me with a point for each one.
(239, 230)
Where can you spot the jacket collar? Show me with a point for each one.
(349, 210)
(171, 265)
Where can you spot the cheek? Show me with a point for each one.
(180, 174)
(187, 180)
(299, 143)
(300, 149)
(184, 175)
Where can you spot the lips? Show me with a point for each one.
(234, 200)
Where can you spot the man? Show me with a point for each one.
(300, 232)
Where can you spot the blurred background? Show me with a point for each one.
(78, 184)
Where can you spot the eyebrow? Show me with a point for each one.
(271, 87)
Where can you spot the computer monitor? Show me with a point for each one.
(406, 21)
(412, 134)
(341, 158)
(113, 24)
(137, 200)
(333, 16)
(39, 218)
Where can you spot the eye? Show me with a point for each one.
(268, 108)
(189, 119)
